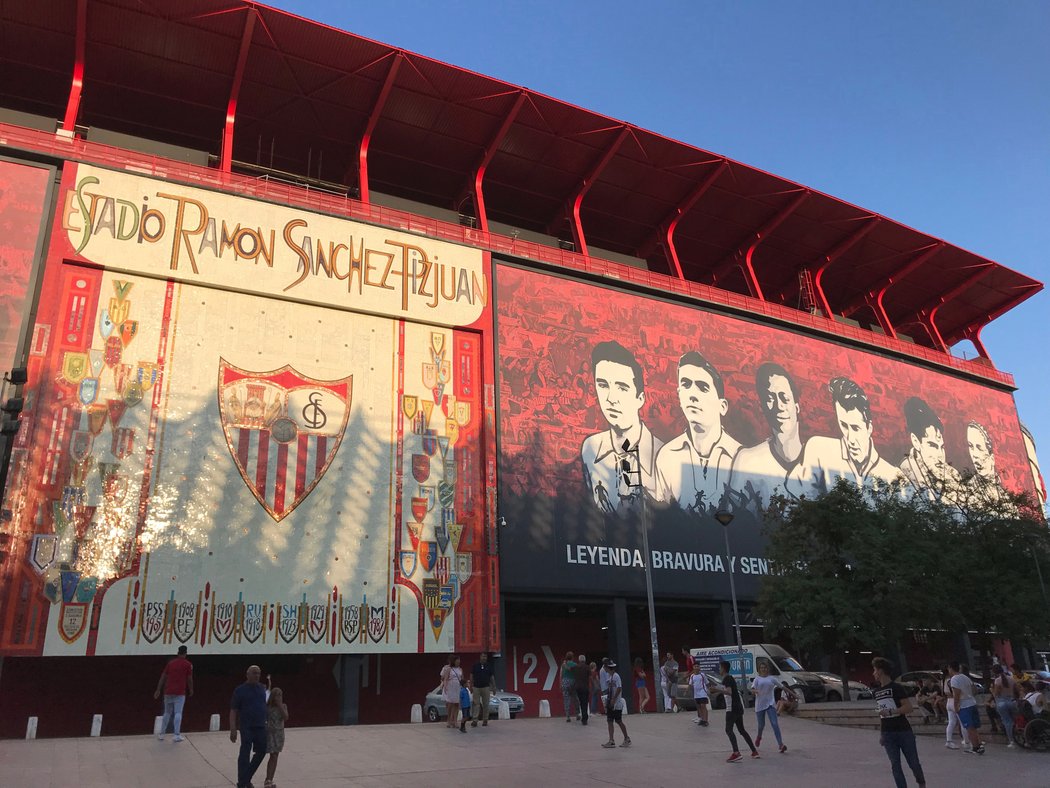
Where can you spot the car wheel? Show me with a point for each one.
(833, 697)
(432, 714)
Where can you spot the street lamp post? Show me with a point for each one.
(625, 467)
(725, 517)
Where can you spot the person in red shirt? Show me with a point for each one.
(176, 682)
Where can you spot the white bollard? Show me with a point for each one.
(504, 710)
(417, 713)
(96, 725)
(213, 724)
(31, 728)
(545, 708)
(158, 722)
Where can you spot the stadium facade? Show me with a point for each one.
(341, 359)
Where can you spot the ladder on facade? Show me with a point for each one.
(807, 297)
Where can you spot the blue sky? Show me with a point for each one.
(935, 113)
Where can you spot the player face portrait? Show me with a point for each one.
(980, 452)
(856, 433)
(618, 395)
(697, 395)
(930, 447)
(779, 405)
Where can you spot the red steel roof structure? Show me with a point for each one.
(252, 84)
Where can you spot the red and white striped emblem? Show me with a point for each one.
(283, 430)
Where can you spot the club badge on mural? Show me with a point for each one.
(283, 430)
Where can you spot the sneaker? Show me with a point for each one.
(609, 744)
(626, 742)
(755, 755)
(568, 719)
(758, 742)
(951, 745)
(577, 718)
(783, 748)
(473, 723)
(697, 721)
(704, 723)
(735, 758)
(484, 723)
(160, 737)
(972, 751)
(178, 737)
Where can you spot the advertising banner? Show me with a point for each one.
(250, 450)
(619, 412)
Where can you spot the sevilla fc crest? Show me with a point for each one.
(283, 430)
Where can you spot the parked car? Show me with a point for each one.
(913, 679)
(685, 692)
(833, 688)
(434, 705)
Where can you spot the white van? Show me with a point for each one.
(781, 664)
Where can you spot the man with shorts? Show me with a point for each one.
(614, 704)
(698, 682)
(966, 706)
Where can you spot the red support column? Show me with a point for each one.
(928, 313)
(373, 119)
(834, 255)
(226, 160)
(742, 257)
(486, 158)
(69, 121)
(572, 207)
(924, 255)
(974, 335)
(875, 302)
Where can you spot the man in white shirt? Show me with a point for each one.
(770, 468)
(851, 456)
(614, 705)
(619, 385)
(925, 466)
(966, 706)
(693, 468)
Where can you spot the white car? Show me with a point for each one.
(434, 705)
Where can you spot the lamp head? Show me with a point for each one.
(724, 517)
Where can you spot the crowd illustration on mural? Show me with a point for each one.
(705, 469)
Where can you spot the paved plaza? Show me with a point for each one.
(668, 749)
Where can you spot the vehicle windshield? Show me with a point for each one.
(782, 659)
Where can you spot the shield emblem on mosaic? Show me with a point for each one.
(74, 367)
(462, 413)
(430, 444)
(153, 620)
(80, 445)
(376, 623)
(123, 442)
(185, 624)
(43, 552)
(464, 565)
(283, 430)
(252, 619)
(431, 593)
(429, 375)
(288, 626)
(88, 391)
(407, 563)
(105, 325)
(119, 310)
(414, 531)
(72, 621)
(437, 620)
(114, 351)
(129, 329)
(441, 534)
(409, 406)
(223, 620)
(437, 343)
(317, 627)
(350, 622)
(455, 533)
(428, 553)
(428, 408)
(96, 415)
(420, 467)
(444, 567)
(430, 493)
(452, 431)
(420, 507)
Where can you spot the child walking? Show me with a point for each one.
(276, 714)
(465, 703)
(698, 681)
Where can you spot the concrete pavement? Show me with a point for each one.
(668, 749)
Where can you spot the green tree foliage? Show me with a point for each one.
(857, 568)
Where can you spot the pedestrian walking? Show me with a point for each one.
(953, 715)
(896, 735)
(641, 686)
(248, 717)
(1004, 690)
(698, 684)
(734, 713)
(481, 682)
(966, 706)
(614, 704)
(581, 674)
(568, 686)
(176, 684)
(764, 688)
(276, 716)
(669, 682)
(451, 683)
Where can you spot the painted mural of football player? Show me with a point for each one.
(770, 468)
(985, 480)
(925, 466)
(693, 468)
(620, 388)
(850, 456)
